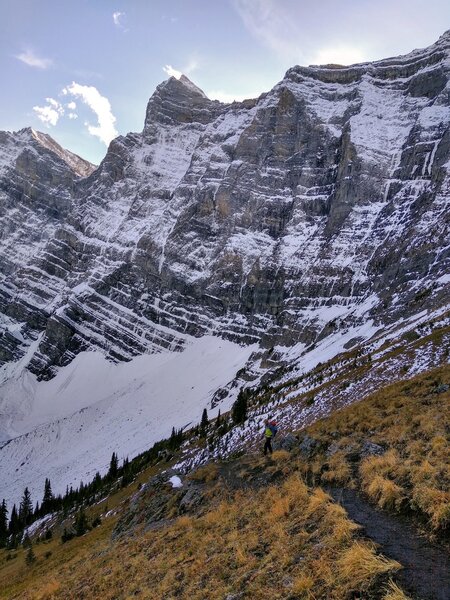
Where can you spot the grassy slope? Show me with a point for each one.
(281, 541)
(411, 421)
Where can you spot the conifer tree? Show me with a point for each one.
(67, 535)
(81, 522)
(3, 524)
(48, 499)
(30, 556)
(172, 440)
(97, 482)
(113, 466)
(25, 509)
(176, 439)
(14, 525)
(204, 423)
(218, 420)
(239, 408)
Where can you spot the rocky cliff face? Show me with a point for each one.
(37, 185)
(313, 209)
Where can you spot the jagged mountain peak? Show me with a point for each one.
(190, 85)
(79, 166)
(180, 101)
(445, 36)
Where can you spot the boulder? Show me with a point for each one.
(308, 446)
(287, 442)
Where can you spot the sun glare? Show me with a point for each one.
(340, 55)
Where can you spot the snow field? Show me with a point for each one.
(104, 408)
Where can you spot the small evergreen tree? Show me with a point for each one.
(172, 440)
(3, 524)
(30, 556)
(176, 439)
(97, 481)
(204, 423)
(239, 408)
(14, 524)
(48, 499)
(113, 466)
(25, 509)
(96, 522)
(81, 523)
(218, 420)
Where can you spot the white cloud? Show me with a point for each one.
(29, 58)
(191, 66)
(55, 104)
(72, 116)
(298, 34)
(228, 97)
(46, 114)
(171, 72)
(71, 105)
(119, 19)
(270, 22)
(50, 113)
(100, 105)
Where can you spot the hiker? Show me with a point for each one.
(269, 433)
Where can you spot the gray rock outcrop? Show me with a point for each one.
(317, 207)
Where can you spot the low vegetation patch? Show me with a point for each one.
(394, 446)
(283, 541)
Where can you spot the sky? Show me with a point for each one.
(83, 71)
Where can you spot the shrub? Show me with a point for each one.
(359, 565)
(385, 493)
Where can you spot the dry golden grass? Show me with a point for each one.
(385, 492)
(18, 581)
(303, 586)
(412, 422)
(281, 456)
(282, 541)
(360, 565)
(339, 471)
(395, 593)
(207, 473)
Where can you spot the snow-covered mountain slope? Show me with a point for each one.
(271, 220)
(334, 374)
(305, 221)
(67, 428)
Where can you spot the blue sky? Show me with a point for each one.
(83, 71)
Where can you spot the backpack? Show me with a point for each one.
(273, 428)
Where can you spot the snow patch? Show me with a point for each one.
(108, 408)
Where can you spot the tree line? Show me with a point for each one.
(21, 517)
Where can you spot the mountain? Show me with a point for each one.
(310, 221)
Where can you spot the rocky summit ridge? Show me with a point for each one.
(320, 207)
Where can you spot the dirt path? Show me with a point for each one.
(426, 566)
(426, 572)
